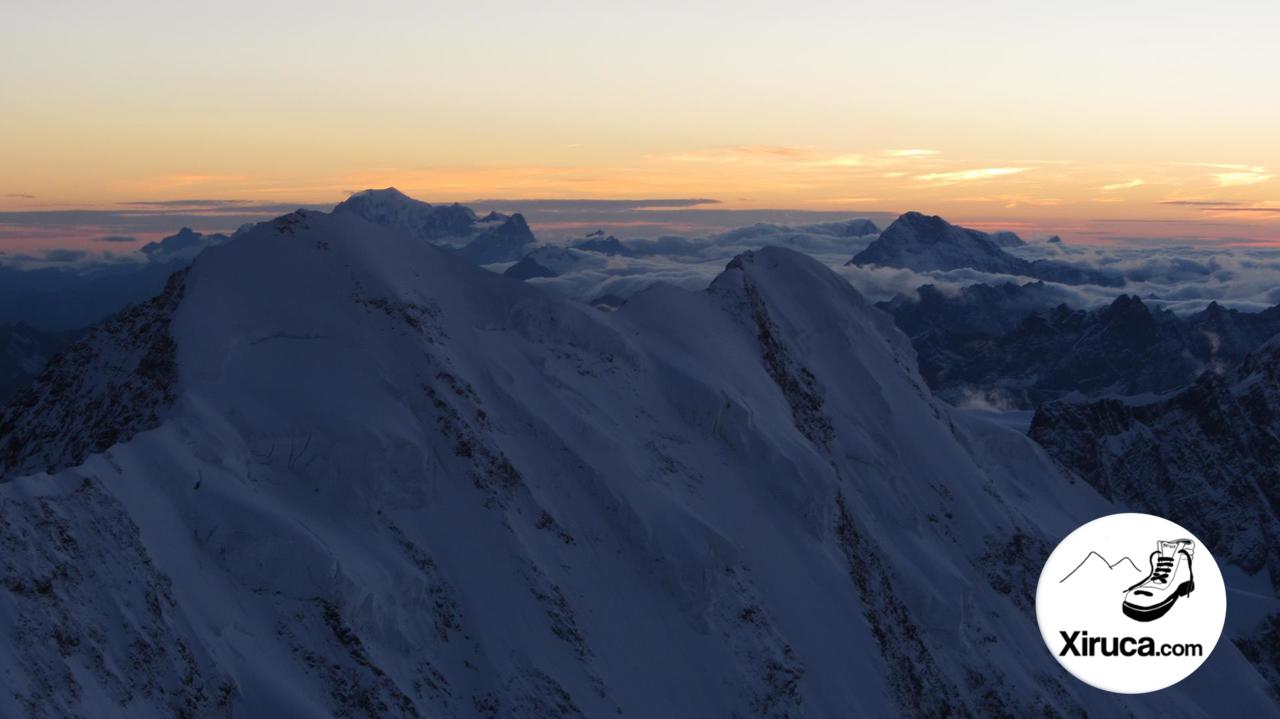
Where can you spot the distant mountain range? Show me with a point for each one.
(926, 243)
(984, 342)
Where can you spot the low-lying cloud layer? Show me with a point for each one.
(688, 241)
(1183, 278)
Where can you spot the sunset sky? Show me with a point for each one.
(998, 112)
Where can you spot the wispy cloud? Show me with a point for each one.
(1201, 203)
(1233, 175)
(840, 161)
(1240, 179)
(979, 174)
(1260, 210)
(121, 239)
(1129, 185)
(1222, 166)
(190, 203)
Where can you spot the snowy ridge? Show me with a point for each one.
(392, 484)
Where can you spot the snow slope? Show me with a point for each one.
(383, 482)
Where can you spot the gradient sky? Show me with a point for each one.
(999, 111)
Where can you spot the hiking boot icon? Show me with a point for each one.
(1170, 578)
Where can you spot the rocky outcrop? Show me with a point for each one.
(1208, 455)
(115, 382)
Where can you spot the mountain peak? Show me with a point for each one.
(927, 242)
(386, 193)
(493, 238)
(1127, 302)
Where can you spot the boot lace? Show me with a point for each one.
(1164, 565)
(1161, 566)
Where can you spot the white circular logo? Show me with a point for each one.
(1131, 603)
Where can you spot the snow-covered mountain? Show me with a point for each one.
(482, 240)
(927, 243)
(351, 474)
(183, 245)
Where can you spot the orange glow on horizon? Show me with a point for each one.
(999, 112)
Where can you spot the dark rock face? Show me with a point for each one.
(966, 345)
(797, 383)
(110, 385)
(929, 243)
(1208, 456)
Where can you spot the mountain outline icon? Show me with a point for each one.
(1109, 565)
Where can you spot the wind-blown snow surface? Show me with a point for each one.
(393, 484)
